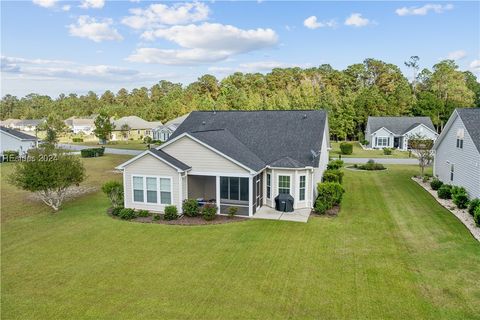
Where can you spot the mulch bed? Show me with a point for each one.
(183, 220)
(330, 213)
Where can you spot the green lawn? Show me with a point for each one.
(133, 145)
(393, 252)
(359, 152)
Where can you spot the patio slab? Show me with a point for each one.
(299, 215)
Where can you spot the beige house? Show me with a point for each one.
(133, 127)
(242, 159)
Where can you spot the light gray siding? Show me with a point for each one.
(9, 143)
(466, 160)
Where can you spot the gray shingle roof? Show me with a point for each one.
(398, 125)
(18, 134)
(471, 119)
(258, 138)
(168, 158)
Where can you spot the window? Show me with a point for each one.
(269, 185)
(234, 188)
(451, 172)
(382, 141)
(459, 143)
(284, 184)
(165, 191)
(152, 190)
(301, 196)
(460, 136)
(138, 189)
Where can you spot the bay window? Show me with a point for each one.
(301, 196)
(284, 184)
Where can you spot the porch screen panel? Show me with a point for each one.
(244, 189)
(234, 188)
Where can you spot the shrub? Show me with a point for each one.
(460, 197)
(330, 193)
(114, 191)
(346, 148)
(10, 156)
(116, 211)
(476, 216)
(365, 142)
(170, 213)
(190, 207)
(127, 214)
(143, 213)
(445, 192)
(387, 151)
(209, 211)
(232, 211)
(435, 184)
(77, 139)
(425, 179)
(156, 217)
(320, 207)
(474, 204)
(147, 139)
(371, 165)
(333, 175)
(335, 164)
(92, 152)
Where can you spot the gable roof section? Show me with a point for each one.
(398, 125)
(471, 119)
(135, 122)
(260, 138)
(161, 155)
(17, 134)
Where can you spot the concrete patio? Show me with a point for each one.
(299, 215)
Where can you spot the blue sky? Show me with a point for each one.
(51, 46)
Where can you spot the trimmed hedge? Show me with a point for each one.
(209, 211)
(77, 139)
(170, 213)
(335, 164)
(460, 197)
(92, 152)
(346, 148)
(445, 192)
(143, 213)
(190, 207)
(330, 194)
(474, 204)
(387, 151)
(127, 214)
(476, 216)
(333, 175)
(435, 184)
(370, 166)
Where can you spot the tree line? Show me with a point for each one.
(371, 88)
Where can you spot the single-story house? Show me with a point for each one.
(137, 128)
(241, 159)
(457, 151)
(80, 125)
(29, 125)
(164, 132)
(394, 132)
(9, 123)
(14, 140)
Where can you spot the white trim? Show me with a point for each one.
(230, 174)
(180, 192)
(291, 181)
(217, 192)
(144, 177)
(421, 124)
(267, 184)
(305, 188)
(14, 136)
(185, 134)
(123, 165)
(250, 196)
(375, 132)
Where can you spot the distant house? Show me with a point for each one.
(9, 123)
(29, 125)
(241, 159)
(133, 127)
(80, 125)
(457, 151)
(14, 140)
(394, 132)
(164, 132)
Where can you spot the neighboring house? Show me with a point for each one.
(137, 128)
(164, 132)
(457, 151)
(13, 140)
(29, 125)
(394, 132)
(241, 159)
(83, 125)
(9, 123)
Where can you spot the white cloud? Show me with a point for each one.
(421, 11)
(356, 20)
(66, 7)
(457, 55)
(92, 29)
(312, 23)
(475, 65)
(96, 4)
(207, 42)
(45, 3)
(157, 15)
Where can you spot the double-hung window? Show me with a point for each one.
(269, 185)
(301, 196)
(138, 189)
(460, 136)
(165, 191)
(383, 141)
(152, 190)
(284, 184)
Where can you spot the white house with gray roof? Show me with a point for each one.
(241, 159)
(14, 140)
(394, 132)
(457, 151)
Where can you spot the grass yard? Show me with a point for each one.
(393, 252)
(128, 144)
(359, 152)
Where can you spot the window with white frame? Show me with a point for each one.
(302, 181)
(284, 184)
(460, 136)
(269, 185)
(382, 141)
(152, 196)
(138, 189)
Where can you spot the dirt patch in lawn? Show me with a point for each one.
(184, 220)
(330, 213)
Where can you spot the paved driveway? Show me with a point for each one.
(381, 160)
(107, 150)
